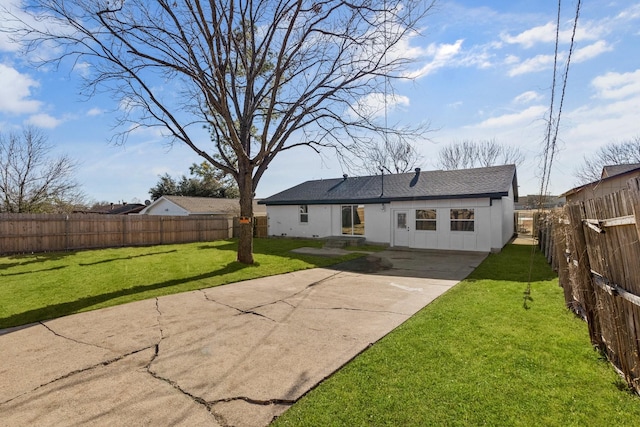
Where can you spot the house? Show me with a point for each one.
(184, 205)
(469, 209)
(115, 209)
(613, 178)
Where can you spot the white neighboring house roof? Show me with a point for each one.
(184, 205)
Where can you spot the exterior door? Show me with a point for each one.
(401, 228)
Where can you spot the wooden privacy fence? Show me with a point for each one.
(260, 227)
(595, 247)
(21, 233)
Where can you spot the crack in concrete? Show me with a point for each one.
(239, 310)
(293, 295)
(158, 320)
(218, 419)
(283, 300)
(79, 371)
(175, 385)
(73, 339)
(209, 406)
(267, 402)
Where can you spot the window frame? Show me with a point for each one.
(303, 212)
(431, 223)
(354, 229)
(461, 224)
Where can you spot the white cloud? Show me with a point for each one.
(439, 56)
(527, 116)
(631, 13)
(83, 68)
(547, 34)
(43, 120)
(95, 112)
(527, 97)
(511, 60)
(15, 91)
(13, 8)
(542, 33)
(373, 105)
(535, 64)
(617, 85)
(591, 51)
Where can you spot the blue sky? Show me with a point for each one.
(483, 70)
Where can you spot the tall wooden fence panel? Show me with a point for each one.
(260, 227)
(596, 248)
(20, 233)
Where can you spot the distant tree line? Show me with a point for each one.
(204, 181)
(468, 154)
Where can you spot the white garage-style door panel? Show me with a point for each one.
(463, 227)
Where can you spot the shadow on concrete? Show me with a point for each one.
(62, 309)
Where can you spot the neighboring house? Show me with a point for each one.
(183, 206)
(115, 209)
(470, 209)
(614, 178)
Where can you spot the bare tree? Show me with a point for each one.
(394, 155)
(614, 153)
(33, 181)
(471, 154)
(263, 76)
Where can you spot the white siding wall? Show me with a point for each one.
(377, 223)
(285, 221)
(443, 238)
(165, 207)
(508, 220)
(493, 223)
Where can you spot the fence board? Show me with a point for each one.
(20, 233)
(604, 273)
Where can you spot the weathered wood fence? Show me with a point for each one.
(595, 248)
(20, 233)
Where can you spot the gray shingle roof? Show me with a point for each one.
(211, 205)
(613, 170)
(493, 182)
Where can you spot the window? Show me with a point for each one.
(426, 219)
(304, 213)
(353, 220)
(462, 220)
(401, 220)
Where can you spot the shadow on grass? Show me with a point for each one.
(34, 259)
(66, 308)
(34, 271)
(126, 258)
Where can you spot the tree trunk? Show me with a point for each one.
(245, 240)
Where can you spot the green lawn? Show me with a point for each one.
(44, 286)
(477, 356)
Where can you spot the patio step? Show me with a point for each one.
(343, 241)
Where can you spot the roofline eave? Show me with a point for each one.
(369, 201)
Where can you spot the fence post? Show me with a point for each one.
(634, 193)
(66, 232)
(583, 276)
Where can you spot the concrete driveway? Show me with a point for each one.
(235, 355)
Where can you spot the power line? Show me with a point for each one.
(553, 123)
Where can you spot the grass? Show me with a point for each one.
(45, 286)
(477, 356)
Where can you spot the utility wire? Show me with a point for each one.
(553, 125)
